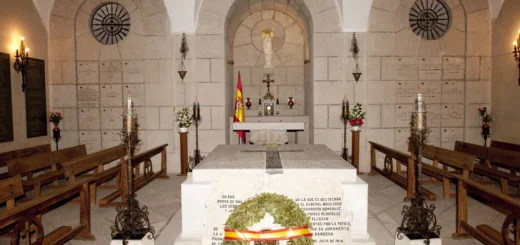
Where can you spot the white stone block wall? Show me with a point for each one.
(90, 81)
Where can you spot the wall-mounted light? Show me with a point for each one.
(184, 51)
(516, 53)
(21, 62)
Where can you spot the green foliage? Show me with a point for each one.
(284, 211)
(357, 112)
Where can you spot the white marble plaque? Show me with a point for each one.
(321, 200)
(89, 119)
(133, 71)
(452, 92)
(402, 136)
(111, 138)
(111, 95)
(137, 92)
(430, 68)
(432, 92)
(91, 140)
(88, 72)
(453, 68)
(110, 72)
(111, 118)
(452, 115)
(88, 96)
(434, 115)
(434, 138)
(141, 117)
(406, 68)
(450, 135)
(406, 92)
(403, 115)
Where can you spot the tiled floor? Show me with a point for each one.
(163, 198)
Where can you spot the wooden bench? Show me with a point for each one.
(408, 182)
(18, 216)
(77, 169)
(10, 189)
(10, 155)
(505, 146)
(461, 162)
(140, 181)
(28, 166)
(485, 233)
(491, 159)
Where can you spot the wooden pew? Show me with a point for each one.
(505, 146)
(139, 181)
(456, 160)
(485, 233)
(407, 182)
(10, 155)
(493, 158)
(10, 189)
(77, 169)
(17, 216)
(28, 166)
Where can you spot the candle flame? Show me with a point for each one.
(21, 38)
(515, 43)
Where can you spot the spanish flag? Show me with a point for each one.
(239, 109)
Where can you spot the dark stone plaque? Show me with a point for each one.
(35, 99)
(6, 104)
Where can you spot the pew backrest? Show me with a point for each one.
(10, 189)
(394, 154)
(10, 155)
(27, 165)
(503, 158)
(93, 161)
(475, 150)
(505, 146)
(453, 159)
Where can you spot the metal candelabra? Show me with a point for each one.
(419, 218)
(196, 158)
(131, 221)
(344, 119)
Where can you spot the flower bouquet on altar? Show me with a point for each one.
(486, 120)
(356, 117)
(184, 119)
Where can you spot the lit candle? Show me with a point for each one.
(420, 103)
(196, 110)
(129, 121)
(420, 112)
(27, 52)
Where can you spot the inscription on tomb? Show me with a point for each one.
(403, 115)
(89, 119)
(35, 99)
(450, 135)
(453, 68)
(110, 72)
(111, 95)
(133, 72)
(406, 92)
(111, 118)
(6, 104)
(406, 68)
(401, 139)
(91, 140)
(88, 96)
(137, 92)
(431, 92)
(322, 202)
(430, 69)
(88, 72)
(111, 138)
(453, 115)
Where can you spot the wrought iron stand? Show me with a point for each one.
(131, 221)
(196, 158)
(419, 219)
(344, 119)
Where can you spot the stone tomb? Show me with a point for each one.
(324, 185)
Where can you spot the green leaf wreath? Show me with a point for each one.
(284, 211)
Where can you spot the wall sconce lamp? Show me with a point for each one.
(516, 53)
(184, 51)
(21, 62)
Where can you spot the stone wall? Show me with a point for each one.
(90, 81)
(454, 72)
(288, 60)
(20, 19)
(505, 87)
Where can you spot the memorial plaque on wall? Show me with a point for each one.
(6, 104)
(35, 99)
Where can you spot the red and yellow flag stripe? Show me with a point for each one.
(273, 235)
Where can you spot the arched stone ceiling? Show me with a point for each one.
(296, 9)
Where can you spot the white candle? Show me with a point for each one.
(129, 105)
(420, 105)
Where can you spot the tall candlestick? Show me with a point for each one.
(129, 120)
(196, 110)
(420, 103)
(129, 105)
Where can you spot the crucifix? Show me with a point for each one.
(268, 81)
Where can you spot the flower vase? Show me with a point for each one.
(56, 131)
(183, 130)
(356, 128)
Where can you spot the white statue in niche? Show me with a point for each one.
(267, 37)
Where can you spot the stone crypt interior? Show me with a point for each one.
(82, 58)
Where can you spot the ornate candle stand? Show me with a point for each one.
(197, 119)
(344, 119)
(419, 218)
(131, 220)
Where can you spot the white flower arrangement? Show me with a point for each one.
(184, 118)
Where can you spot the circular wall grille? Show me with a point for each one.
(110, 23)
(429, 19)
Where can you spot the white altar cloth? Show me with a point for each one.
(268, 126)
